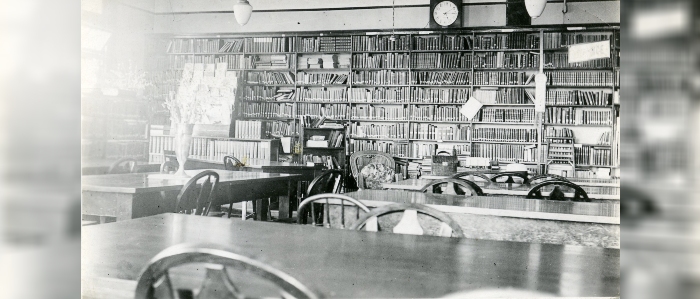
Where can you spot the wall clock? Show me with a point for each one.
(445, 13)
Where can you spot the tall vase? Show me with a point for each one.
(183, 141)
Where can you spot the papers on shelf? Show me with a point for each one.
(470, 108)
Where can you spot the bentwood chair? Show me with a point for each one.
(168, 167)
(155, 280)
(233, 164)
(473, 176)
(545, 177)
(196, 198)
(557, 193)
(517, 177)
(310, 202)
(359, 160)
(123, 165)
(329, 181)
(409, 222)
(459, 185)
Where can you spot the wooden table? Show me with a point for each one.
(578, 181)
(491, 188)
(127, 196)
(343, 263)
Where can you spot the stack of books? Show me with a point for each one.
(271, 62)
(330, 61)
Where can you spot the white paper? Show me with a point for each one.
(286, 144)
(470, 108)
(540, 92)
(589, 51)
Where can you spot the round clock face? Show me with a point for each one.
(445, 13)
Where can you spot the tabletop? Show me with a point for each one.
(344, 263)
(605, 193)
(255, 163)
(153, 182)
(509, 206)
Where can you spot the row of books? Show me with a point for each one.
(322, 94)
(506, 60)
(578, 97)
(393, 131)
(436, 113)
(439, 133)
(335, 43)
(328, 161)
(504, 134)
(330, 111)
(248, 129)
(441, 60)
(268, 62)
(446, 42)
(232, 46)
(380, 95)
(335, 138)
(264, 93)
(606, 138)
(370, 112)
(593, 117)
(325, 61)
(392, 148)
(382, 77)
(383, 60)
(193, 45)
(279, 128)
(440, 95)
(427, 150)
(214, 148)
(502, 78)
(321, 78)
(235, 61)
(269, 44)
(515, 40)
(270, 78)
(381, 43)
(508, 115)
(267, 110)
(580, 78)
(557, 132)
(556, 40)
(561, 60)
(510, 95)
(590, 155)
(440, 78)
(505, 152)
(573, 116)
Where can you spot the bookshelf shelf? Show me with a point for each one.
(420, 57)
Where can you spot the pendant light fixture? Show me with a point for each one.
(535, 7)
(393, 12)
(242, 10)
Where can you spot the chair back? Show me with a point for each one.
(556, 193)
(310, 203)
(436, 186)
(195, 198)
(155, 279)
(409, 222)
(359, 160)
(232, 163)
(168, 167)
(510, 177)
(123, 165)
(545, 177)
(474, 175)
(329, 181)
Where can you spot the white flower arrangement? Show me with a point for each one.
(126, 77)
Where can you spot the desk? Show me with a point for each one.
(344, 263)
(490, 188)
(133, 195)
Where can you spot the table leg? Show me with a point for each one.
(286, 202)
(244, 208)
(261, 209)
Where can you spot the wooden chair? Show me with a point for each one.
(195, 198)
(329, 181)
(123, 165)
(510, 175)
(302, 211)
(232, 163)
(155, 279)
(359, 160)
(435, 186)
(409, 222)
(545, 177)
(168, 167)
(474, 175)
(557, 193)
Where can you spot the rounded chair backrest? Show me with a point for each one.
(510, 175)
(329, 181)
(360, 159)
(557, 193)
(232, 163)
(465, 184)
(168, 167)
(197, 198)
(155, 282)
(409, 223)
(546, 177)
(123, 165)
(474, 175)
(327, 198)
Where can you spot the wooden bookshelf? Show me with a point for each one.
(437, 71)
